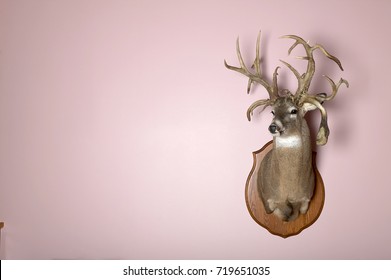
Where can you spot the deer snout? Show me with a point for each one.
(273, 128)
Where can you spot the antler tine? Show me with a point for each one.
(335, 87)
(264, 102)
(328, 55)
(257, 61)
(257, 77)
(294, 71)
(304, 80)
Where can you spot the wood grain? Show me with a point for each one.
(269, 221)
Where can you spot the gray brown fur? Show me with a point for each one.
(287, 180)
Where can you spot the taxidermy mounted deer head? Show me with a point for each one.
(287, 182)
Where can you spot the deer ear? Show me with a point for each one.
(308, 107)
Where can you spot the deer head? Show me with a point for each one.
(301, 100)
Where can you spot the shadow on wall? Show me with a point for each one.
(2, 244)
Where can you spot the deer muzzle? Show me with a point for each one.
(276, 128)
(273, 128)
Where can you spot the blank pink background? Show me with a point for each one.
(122, 135)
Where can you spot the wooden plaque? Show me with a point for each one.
(269, 221)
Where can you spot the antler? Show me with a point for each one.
(272, 89)
(304, 81)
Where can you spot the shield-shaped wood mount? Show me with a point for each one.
(269, 221)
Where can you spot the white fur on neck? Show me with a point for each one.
(292, 141)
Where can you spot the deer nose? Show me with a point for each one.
(272, 128)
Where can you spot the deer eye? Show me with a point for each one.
(294, 111)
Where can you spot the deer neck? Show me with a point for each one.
(291, 158)
(293, 141)
(298, 142)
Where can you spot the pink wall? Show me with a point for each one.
(122, 135)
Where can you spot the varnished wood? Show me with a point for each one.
(269, 221)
